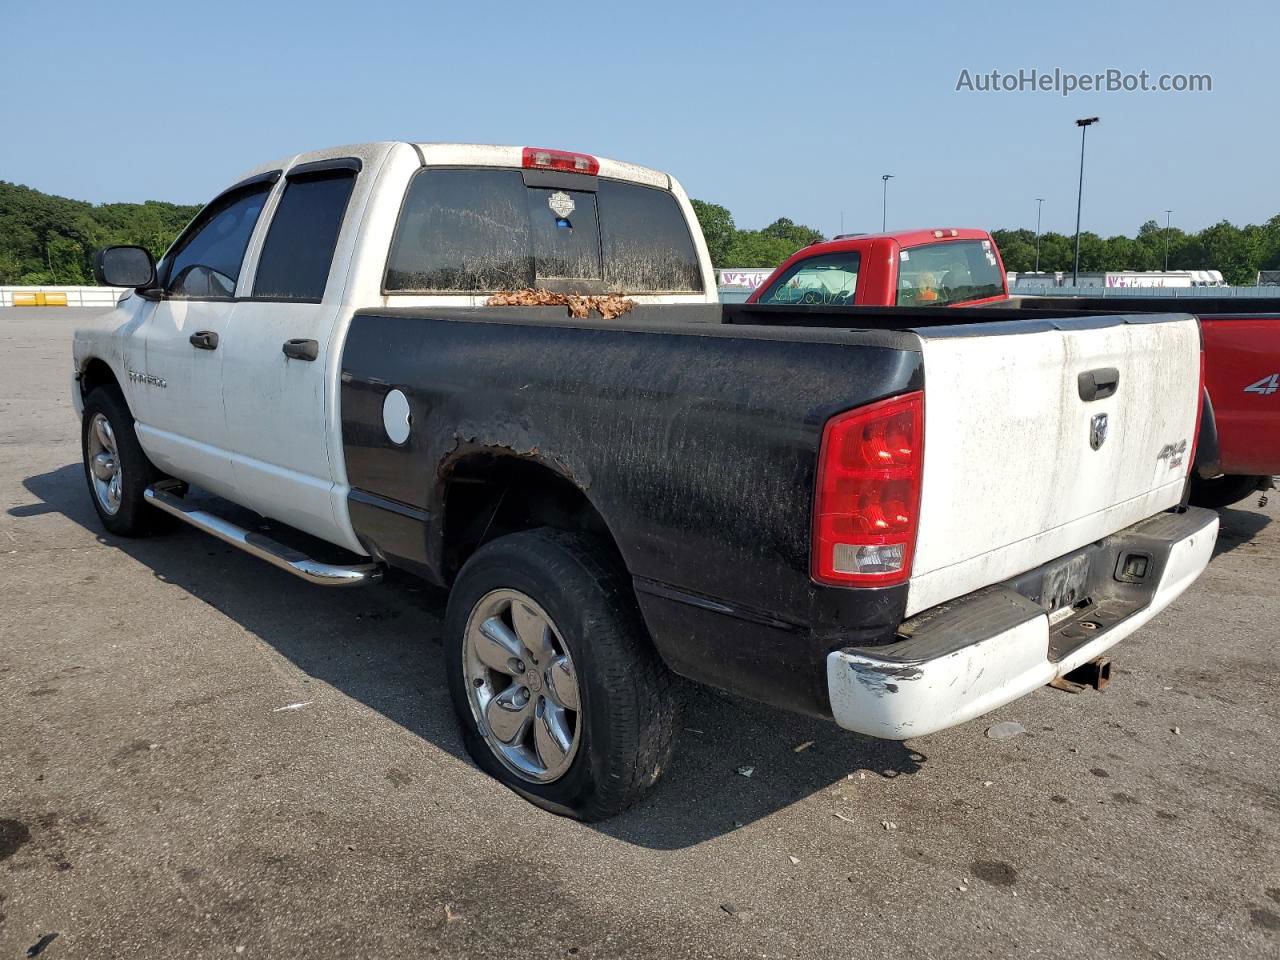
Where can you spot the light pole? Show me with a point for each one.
(1084, 124)
(1039, 204)
(884, 200)
(1168, 225)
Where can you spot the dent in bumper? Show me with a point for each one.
(896, 699)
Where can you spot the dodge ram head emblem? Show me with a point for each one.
(1098, 430)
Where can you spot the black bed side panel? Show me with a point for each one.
(699, 451)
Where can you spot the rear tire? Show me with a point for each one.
(1222, 491)
(597, 658)
(115, 468)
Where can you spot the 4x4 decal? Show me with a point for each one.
(1266, 386)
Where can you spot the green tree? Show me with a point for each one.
(754, 248)
(784, 229)
(717, 229)
(50, 239)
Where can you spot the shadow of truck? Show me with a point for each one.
(382, 647)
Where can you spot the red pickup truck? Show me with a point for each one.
(917, 268)
(1239, 445)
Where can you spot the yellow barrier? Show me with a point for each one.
(40, 299)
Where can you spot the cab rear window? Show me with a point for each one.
(484, 230)
(953, 271)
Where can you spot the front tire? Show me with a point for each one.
(557, 687)
(115, 468)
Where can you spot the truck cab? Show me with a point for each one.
(937, 267)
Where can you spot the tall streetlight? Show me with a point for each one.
(1084, 124)
(884, 200)
(1039, 204)
(1168, 225)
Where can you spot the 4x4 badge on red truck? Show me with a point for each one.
(1266, 386)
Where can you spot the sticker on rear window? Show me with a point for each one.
(904, 256)
(561, 204)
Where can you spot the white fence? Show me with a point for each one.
(60, 296)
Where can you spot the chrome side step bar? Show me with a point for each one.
(164, 496)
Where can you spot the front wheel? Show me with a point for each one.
(559, 692)
(115, 467)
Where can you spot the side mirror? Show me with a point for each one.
(124, 267)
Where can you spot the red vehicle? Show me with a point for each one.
(1239, 446)
(941, 267)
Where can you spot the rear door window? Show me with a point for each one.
(829, 279)
(484, 230)
(955, 271)
(299, 247)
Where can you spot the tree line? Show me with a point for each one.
(46, 239)
(1239, 252)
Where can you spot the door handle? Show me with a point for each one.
(1098, 384)
(204, 340)
(301, 349)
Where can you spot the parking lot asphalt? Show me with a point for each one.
(201, 756)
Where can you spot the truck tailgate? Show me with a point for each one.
(1020, 468)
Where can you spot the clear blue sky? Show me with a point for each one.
(770, 109)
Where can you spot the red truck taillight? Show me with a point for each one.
(867, 505)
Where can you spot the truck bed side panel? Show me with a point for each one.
(1242, 373)
(696, 444)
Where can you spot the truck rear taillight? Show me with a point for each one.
(867, 504)
(537, 158)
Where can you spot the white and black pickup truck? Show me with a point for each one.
(900, 519)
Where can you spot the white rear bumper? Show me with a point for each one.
(894, 698)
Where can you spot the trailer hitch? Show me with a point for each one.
(1096, 673)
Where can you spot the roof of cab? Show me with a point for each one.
(494, 155)
(904, 238)
(460, 155)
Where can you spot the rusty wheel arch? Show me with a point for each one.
(486, 492)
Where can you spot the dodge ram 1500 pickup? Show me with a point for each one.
(883, 517)
(1239, 443)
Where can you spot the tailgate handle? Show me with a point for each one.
(1098, 384)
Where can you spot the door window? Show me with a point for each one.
(205, 262)
(829, 280)
(298, 251)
